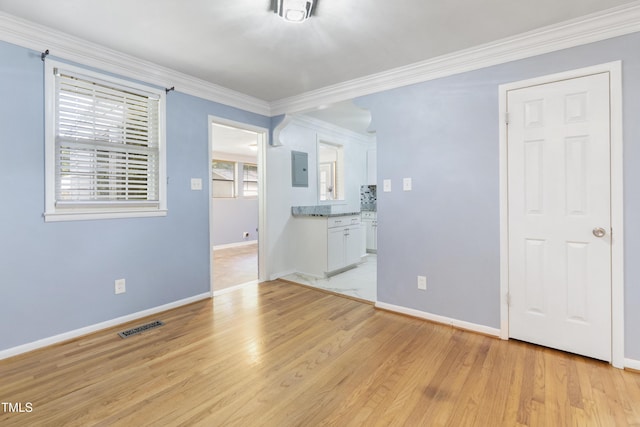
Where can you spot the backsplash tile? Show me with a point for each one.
(368, 198)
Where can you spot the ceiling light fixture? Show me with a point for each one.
(294, 10)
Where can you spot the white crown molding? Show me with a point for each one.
(61, 45)
(587, 29)
(277, 130)
(603, 25)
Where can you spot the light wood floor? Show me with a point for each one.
(279, 354)
(235, 266)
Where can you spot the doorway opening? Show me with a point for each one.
(342, 149)
(236, 204)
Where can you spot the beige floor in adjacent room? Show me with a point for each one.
(239, 265)
(235, 266)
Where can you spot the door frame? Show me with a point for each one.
(617, 200)
(263, 143)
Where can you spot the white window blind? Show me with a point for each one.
(250, 180)
(107, 148)
(224, 178)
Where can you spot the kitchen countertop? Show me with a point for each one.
(326, 211)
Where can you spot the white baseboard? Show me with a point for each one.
(440, 319)
(632, 364)
(308, 276)
(276, 276)
(234, 288)
(235, 245)
(45, 342)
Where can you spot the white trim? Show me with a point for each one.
(277, 130)
(234, 245)
(632, 364)
(461, 324)
(65, 46)
(263, 143)
(617, 21)
(45, 342)
(617, 217)
(84, 216)
(276, 276)
(504, 214)
(617, 200)
(263, 262)
(598, 26)
(54, 213)
(234, 288)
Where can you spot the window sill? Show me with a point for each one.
(85, 216)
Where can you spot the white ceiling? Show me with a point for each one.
(241, 45)
(239, 143)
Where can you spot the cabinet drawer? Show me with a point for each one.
(368, 215)
(343, 221)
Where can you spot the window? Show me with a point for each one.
(249, 180)
(231, 179)
(224, 178)
(330, 171)
(104, 146)
(327, 179)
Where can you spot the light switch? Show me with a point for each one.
(406, 184)
(196, 184)
(386, 185)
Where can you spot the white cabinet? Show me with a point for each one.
(343, 236)
(327, 245)
(370, 221)
(352, 241)
(336, 238)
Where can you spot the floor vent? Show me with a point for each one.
(140, 329)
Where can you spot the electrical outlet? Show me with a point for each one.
(120, 286)
(245, 234)
(196, 184)
(406, 184)
(422, 283)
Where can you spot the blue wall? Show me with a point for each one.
(444, 134)
(58, 277)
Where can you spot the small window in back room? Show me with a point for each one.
(224, 175)
(249, 180)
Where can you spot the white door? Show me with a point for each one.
(559, 215)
